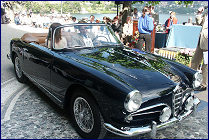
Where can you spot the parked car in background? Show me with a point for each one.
(104, 85)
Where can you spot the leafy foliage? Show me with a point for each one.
(184, 2)
(71, 6)
(147, 2)
(76, 6)
(153, 3)
(183, 58)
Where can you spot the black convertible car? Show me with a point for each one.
(104, 85)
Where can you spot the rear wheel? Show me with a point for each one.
(86, 116)
(18, 69)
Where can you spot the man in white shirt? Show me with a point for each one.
(83, 38)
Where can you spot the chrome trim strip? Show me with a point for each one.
(176, 88)
(178, 98)
(177, 103)
(149, 107)
(145, 113)
(129, 132)
(178, 93)
(43, 88)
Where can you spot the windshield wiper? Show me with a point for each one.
(117, 45)
(80, 47)
(75, 48)
(110, 44)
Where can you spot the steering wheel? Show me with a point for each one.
(95, 39)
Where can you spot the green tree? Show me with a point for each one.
(75, 6)
(67, 7)
(184, 2)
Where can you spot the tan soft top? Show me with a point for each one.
(34, 37)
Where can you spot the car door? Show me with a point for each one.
(37, 64)
(60, 75)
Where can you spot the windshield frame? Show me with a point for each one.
(83, 24)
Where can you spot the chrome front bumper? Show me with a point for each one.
(129, 132)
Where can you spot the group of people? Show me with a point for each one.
(42, 20)
(145, 27)
(125, 32)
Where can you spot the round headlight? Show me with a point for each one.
(165, 114)
(133, 101)
(197, 80)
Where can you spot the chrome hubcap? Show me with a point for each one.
(83, 114)
(18, 68)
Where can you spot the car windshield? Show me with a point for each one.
(84, 36)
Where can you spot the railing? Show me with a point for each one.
(167, 54)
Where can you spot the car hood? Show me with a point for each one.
(142, 71)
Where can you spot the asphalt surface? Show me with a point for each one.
(9, 31)
(26, 113)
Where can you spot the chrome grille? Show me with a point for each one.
(177, 102)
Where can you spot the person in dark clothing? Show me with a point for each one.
(145, 27)
(4, 18)
(2, 11)
(108, 21)
(117, 27)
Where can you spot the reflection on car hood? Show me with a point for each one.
(142, 71)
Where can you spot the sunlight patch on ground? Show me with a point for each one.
(29, 29)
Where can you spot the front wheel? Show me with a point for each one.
(86, 116)
(18, 70)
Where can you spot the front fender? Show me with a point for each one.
(16, 48)
(187, 73)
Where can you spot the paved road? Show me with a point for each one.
(9, 31)
(6, 66)
(26, 113)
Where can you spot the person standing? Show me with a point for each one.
(120, 17)
(199, 15)
(135, 14)
(170, 21)
(91, 20)
(201, 50)
(74, 19)
(127, 31)
(151, 12)
(145, 27)
(17, 19)
(117, 27)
